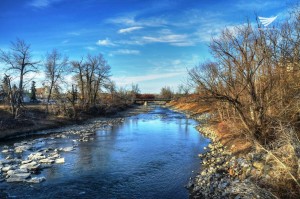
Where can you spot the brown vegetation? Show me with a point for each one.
(252, 90)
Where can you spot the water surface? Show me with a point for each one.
(150, 155)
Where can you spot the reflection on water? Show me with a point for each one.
(150, 155)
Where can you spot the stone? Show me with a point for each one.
(36, 180)
(36, 156)
(30, 166)
(18, 177)
(68, 149)
(7, 168)
(17, 171)
(10, 172)
(46, 161)
(26, 161)
(60, 161)
(20, 149)
(54, 155)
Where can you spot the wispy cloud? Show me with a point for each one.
(127, 20)
(91, 48)
(42, 3)
(172, 39)
(126, 52)
(131, 20)
(74, 33)
(142, 78)
(65, 41)
(128, 30)
(105, 42)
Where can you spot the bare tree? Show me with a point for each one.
(102, 74)
(10, 94)
(91, 75)
(55, 66)
(166, 92)
(19, 59)
(78, 68)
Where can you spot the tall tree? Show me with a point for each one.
(55, 66)
(91, 74)
(78, 68)
(19, 59)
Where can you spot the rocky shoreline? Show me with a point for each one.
(224, 175)
(25, 160)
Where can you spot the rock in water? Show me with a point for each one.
(18, 177)
(36, 180)
(36, 156)
(60, 161)
(67, 149)
(46, 161)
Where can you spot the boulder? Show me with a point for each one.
(67, 149)
(7, 168)
(18, 177)
(32, 166)
(17, 171)
(36, 156)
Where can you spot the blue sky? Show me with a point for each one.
(149, 42)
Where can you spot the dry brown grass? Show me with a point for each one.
(231, 137)
(228, 134)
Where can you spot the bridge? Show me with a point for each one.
(145, 101)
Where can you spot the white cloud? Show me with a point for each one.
(105, 42)
(126, 52)
(128, 30)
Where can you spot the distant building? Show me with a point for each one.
(42, 93)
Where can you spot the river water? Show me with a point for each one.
(149, 155)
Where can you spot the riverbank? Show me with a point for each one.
(233, 166)
(36, 120)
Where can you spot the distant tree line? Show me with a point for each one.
(91, 87)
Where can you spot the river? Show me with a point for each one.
(149, 155)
